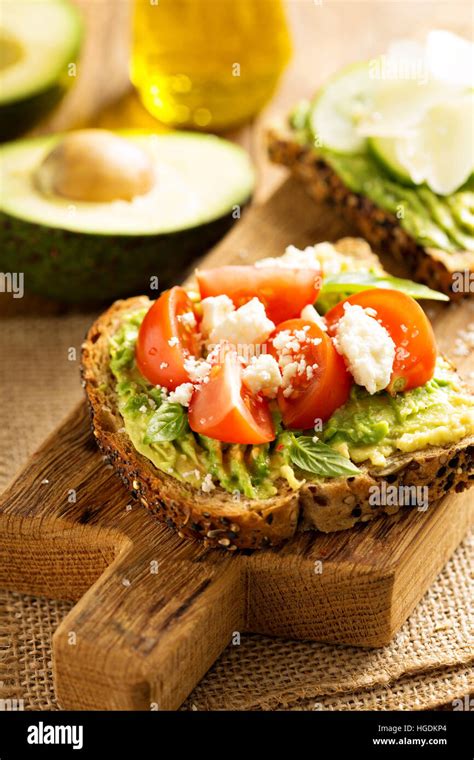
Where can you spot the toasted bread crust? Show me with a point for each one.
(381, 229)
(217, 518)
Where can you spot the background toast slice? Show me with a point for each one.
(380, 228)
(217, 518)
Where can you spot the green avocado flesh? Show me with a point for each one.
(39, 41)
(432, 220)
(367, 428)
(80, 251)
(250, 470)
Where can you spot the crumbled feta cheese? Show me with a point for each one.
(173, 341)
(262, 375)
(248, 325)
(281, 340)
(163, 365)
(188, 319)
(292, 357)
(182, 394)
(214, 310)
(207, 485)
(143, 409)
(293, 258)
(367, 347)
(197, 369)
(310, 314)
(289, 372)
(334, 262)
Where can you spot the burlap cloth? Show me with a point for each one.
(428, 664)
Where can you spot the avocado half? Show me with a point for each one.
(78, 251)
(39, 43)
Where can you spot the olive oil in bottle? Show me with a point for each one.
(208, 64)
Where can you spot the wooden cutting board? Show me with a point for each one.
(154, 611)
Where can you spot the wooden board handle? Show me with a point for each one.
(147, 631)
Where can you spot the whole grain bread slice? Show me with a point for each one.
(431, 266)
(217, 518)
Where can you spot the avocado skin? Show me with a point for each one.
(18, 116)
(75, 267)
(21, 115)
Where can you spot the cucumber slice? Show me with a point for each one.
(385, 151)
(339, 107)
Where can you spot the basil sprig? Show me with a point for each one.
(354, 282)
(168, 423)
(319, 458)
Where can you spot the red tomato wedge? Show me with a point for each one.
(409, 328)
(225, 410)
(164, 341)
(318, 393)
(283, 292)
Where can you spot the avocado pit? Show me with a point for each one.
(95, 166)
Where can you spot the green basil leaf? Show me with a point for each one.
(168, 423)
(354, 282)
(319, 458)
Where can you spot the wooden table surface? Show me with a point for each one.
(327, 34)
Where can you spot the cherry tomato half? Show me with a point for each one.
(409, 328)
(317, 392)
(166, 338)
(225, 410)
(284, 292)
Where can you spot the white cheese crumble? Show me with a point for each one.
(289, 345)
(182, 394)
(367, 347)
(173, 341)
(293, 258)
(214, 310)
(248, 325)
(309, 314)
(207, 485)
(262, 375)
(197, 369)
(188, 319)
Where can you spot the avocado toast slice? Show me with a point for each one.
(381, 228)
(395, 153)
(229, 514)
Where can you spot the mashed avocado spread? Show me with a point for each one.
(432, 220)
(365, 428)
